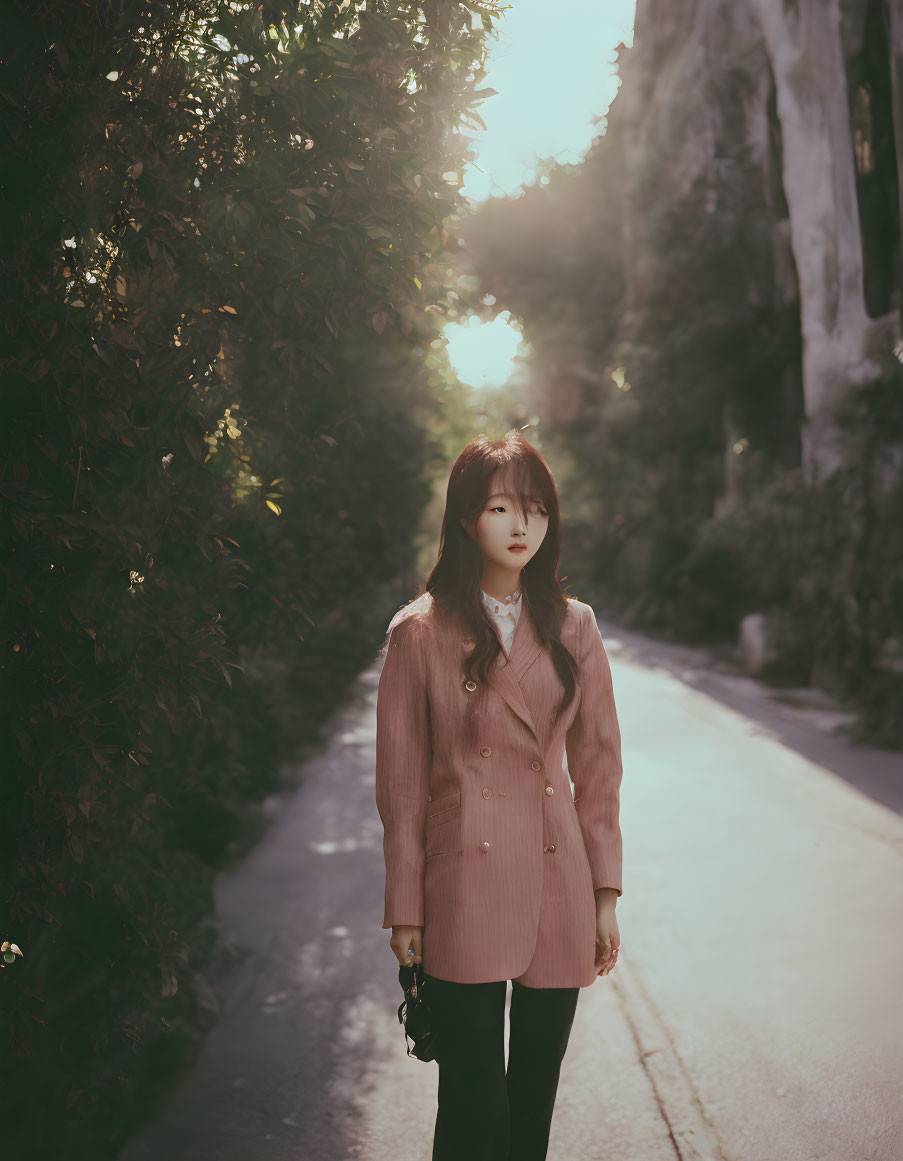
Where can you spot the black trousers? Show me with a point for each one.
(486, 1113)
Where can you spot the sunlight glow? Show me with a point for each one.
(482, 354)
(554, 69)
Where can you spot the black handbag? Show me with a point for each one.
(414, 1012)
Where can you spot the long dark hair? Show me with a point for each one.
(455, 580)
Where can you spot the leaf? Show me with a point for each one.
(38, 370)
(274, 507)
(474, 120)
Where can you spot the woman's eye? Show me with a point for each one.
(537, 510)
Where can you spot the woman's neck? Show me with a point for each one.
(501, 583)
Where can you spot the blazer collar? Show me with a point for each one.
(508, 672)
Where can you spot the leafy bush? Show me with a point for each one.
(221, 227)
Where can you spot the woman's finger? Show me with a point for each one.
(606, 955)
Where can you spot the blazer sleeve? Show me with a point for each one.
(403, 758)
(593, 745)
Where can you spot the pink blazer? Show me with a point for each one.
(485, 846)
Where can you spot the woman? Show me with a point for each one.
(494, 871)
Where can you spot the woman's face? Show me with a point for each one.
(500, 525)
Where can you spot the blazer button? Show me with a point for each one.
(471, 685)
(549, 848)
(484, 846)
(487, 793)
(550, 790)
(485, 751)
(536, 764)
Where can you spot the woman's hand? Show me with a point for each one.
(608, 938)
(404, 937)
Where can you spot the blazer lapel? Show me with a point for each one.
(508, 671)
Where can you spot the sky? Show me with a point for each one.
(554, 68)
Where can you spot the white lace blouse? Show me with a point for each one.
(505, 616)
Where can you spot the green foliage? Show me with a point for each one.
(220, 231)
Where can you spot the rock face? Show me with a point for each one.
(813, 88)
(712, 300)
(805, 44)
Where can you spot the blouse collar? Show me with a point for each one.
(500, 608)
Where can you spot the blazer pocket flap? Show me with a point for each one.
(443, 837)
(443, 805)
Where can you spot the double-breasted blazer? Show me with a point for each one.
(485, 846)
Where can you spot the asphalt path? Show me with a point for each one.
(755, 1013)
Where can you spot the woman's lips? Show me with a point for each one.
(518, 548)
